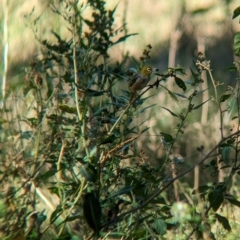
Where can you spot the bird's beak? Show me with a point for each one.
(155, 69)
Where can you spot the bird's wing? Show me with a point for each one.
(134, 79)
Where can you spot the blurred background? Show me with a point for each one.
(176, 30)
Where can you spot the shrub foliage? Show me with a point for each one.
(70, 165)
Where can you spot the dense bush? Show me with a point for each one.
(71, 165)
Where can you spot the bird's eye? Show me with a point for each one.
(149, 69)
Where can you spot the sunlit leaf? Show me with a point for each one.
(231, 105)
(188, 82)
(67, 109)
(54, 190)
(200, 10)
(236, 44)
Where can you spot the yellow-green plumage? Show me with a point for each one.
(140, 79)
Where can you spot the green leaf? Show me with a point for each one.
(236, 44)
(228, 143)
(189, 82)
(223, 98)
(235, 117)
(108, 139)
(92, 211)
(198, 106)
(231, 141)
(56, 213)
(41, 217)
(144, 130)
(67, 109)
(54, 190)
(122, 191)
(160, 226)
(180, 83)
(221, 187)
(167, 137)
(180, 70)
(213, 162)
(225, 153)
(173, 96)
(93, 93)
(71, 218)
(170, 93)
(231, 69)
(172, 113)
(224, 221)
(181, 95)
(200, 11)
(142, 110)
(26, 135)
(89, 172)
(216, 199)
(2, 120)
(52, 171)
(195, 76)
(232, 105)
(3, 209)
(236, 12)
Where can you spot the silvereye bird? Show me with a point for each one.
(140, 79)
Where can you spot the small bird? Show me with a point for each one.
(140, 79)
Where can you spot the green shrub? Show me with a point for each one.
(70, 167)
